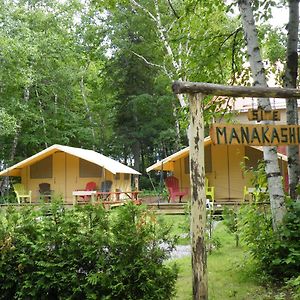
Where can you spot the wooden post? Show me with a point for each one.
(136, 182)
(180, 87)
(198, 198)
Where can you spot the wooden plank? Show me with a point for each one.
(180, 87)
(263, 115)
(255, 135)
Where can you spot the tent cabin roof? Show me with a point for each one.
(167, 164)
(89, 155)
(244, 104)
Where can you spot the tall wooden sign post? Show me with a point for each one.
(197, 91)
(198, 199)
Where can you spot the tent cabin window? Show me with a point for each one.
(252, 156)
(126, 176)
(88, 169)
(117, 176)
(42, 169)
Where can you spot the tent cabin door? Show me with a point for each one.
(228, 175)
(59, 174)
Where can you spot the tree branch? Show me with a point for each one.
(133, 2)
(173, 10)
(152, 64)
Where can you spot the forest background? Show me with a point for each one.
(97, 74)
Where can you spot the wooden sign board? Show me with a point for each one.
(263, 115)
(255, 135)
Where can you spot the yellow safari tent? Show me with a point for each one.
(67, 169)
(222, 166)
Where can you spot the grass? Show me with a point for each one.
(229, 277)
(180, 227)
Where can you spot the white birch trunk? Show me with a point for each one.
(162, 34)
(290, 79)
(87, 108)
(42, 116)
(270, 153)
(198, 198)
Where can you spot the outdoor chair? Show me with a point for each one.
(210, 191)
(172, 185)
(246, 194)
(45, 191)
(105, 190)
(106, 186)
(90, 186)
(21, 193)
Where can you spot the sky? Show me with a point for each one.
(280, 17)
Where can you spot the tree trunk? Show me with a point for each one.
(198, 198)
(42, 116)
(258, 74)
(136, 149)
(177, 129)
(290, 79)
(87, 108)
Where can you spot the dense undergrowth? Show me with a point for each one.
(84, 253)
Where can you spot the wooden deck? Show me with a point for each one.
(180, 208)
(159, 206)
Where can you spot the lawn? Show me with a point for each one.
(228, 275)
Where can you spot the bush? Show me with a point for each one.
(84, 253)
(276, 253)
(230, 220)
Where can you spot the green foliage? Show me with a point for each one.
(258, 175)
(258, 180)
(276, 253)
(212, 242)
(255, 228)
(50, 78)
(8, 124)
(230, 220)
(84, 253)
(231, 278)
(8, 198)
(294, 284)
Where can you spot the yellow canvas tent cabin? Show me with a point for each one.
(68, 169)
(222, 166)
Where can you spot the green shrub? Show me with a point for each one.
(230, 220)
(84, 253)
(276, 253)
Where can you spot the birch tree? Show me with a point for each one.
(290, 79)
(194, 37)
(259, 78)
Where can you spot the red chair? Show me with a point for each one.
(90, 186)
(174, 190)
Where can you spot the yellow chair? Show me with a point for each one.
(247, 196)
(21, 193)
(209, 191)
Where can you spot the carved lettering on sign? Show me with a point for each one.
(263, 115)
(255, 135)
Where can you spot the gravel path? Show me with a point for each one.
(181, 251)
(185, 250)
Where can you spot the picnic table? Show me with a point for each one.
(105, 198)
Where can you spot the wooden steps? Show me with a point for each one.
(168, 208)
(180, 208)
